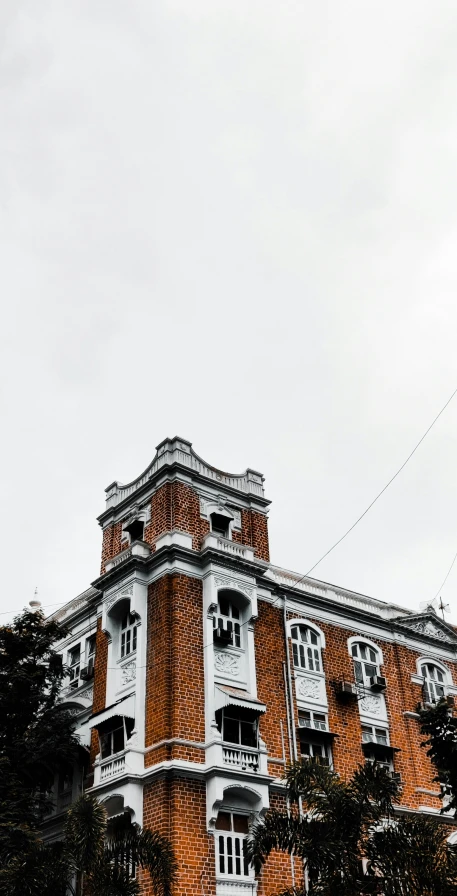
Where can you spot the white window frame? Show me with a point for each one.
(431, 684)
(233, 842)
(320, 745)
(373, 736)
(307, 655)
(90, 655)
(313, 726)
(233, 622)
(357, 642)
(128, 635)
(74, 667)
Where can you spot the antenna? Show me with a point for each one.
(435, 605)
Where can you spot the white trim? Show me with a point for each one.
(306, 622)
(427, 660)
(360, 639)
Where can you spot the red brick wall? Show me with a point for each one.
(276, 874)
(270, 654)
(254, 532)
(100, 673)
(401, 695)
(175, 692)
(177, 808)
(176, 506)
(111, 544)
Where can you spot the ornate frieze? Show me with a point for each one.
(227, 663)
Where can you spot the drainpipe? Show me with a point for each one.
(289, 686)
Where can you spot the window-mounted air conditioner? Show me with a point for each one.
(396, 776)
(346, 690)
(223, 636)
(378, 683)
(450, 700)
(88, 671)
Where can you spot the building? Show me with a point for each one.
(198, 670)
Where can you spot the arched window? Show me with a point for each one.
(129, 627)
(434, 682)
(227, 624)
(306, 648)
(366, 662)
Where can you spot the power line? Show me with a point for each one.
(446, 577)
(381, 492)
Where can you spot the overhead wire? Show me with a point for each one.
(373, 502)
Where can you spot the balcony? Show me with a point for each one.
(219, 543)
(240, 757)
(137, 549)
(111, 767)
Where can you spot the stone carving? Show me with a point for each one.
(227, 663)
(371, 705)
(426, 627)
(88, 694)
(124, 592)
(128, 673)
(226, 582)
(307, 687)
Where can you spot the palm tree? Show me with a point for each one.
(348, 839)
(102, 857)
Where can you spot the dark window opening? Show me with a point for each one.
(113, 735)
(135, 530)
(220, 525)
(238, 726)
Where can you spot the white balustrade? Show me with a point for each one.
(112, 767)
(240, 758)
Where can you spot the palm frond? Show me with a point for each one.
(85, 830)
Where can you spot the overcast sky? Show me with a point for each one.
(234, 221)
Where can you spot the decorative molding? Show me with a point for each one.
(128, 673)
(88, 694)
(308, 687)
(226, 582)
(126, 592)
(371, 705)
(431, 626)
(227, 663)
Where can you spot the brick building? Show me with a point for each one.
(198, 670)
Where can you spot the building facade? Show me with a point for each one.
(198, 670)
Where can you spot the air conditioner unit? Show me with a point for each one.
(347, 690)
(450, 700)
(378, 683)
(88, 671)
(396, 776)
(223, 636)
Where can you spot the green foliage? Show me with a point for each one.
(342, 823)
(102, 854)
(36, 736)
(413, 858)
(440, 728)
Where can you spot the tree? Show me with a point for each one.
(103, 855)
(36, 731)
(440, 728)
(343, 823)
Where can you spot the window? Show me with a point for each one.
(370, 734)
(228, 619)
(366, 663)
(306, 648)
(315, 752)
(312, 720)
(231, 831)
(434, 683)
(240, 727)
(135, 530)
(90, 648)
(220, 524)
(128, 634)
(74, 663)
(113, 735)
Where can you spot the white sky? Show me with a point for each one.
(234, 221)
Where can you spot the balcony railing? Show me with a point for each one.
(239, 757)
(227, 546)
(111, 767)
(137, 549)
